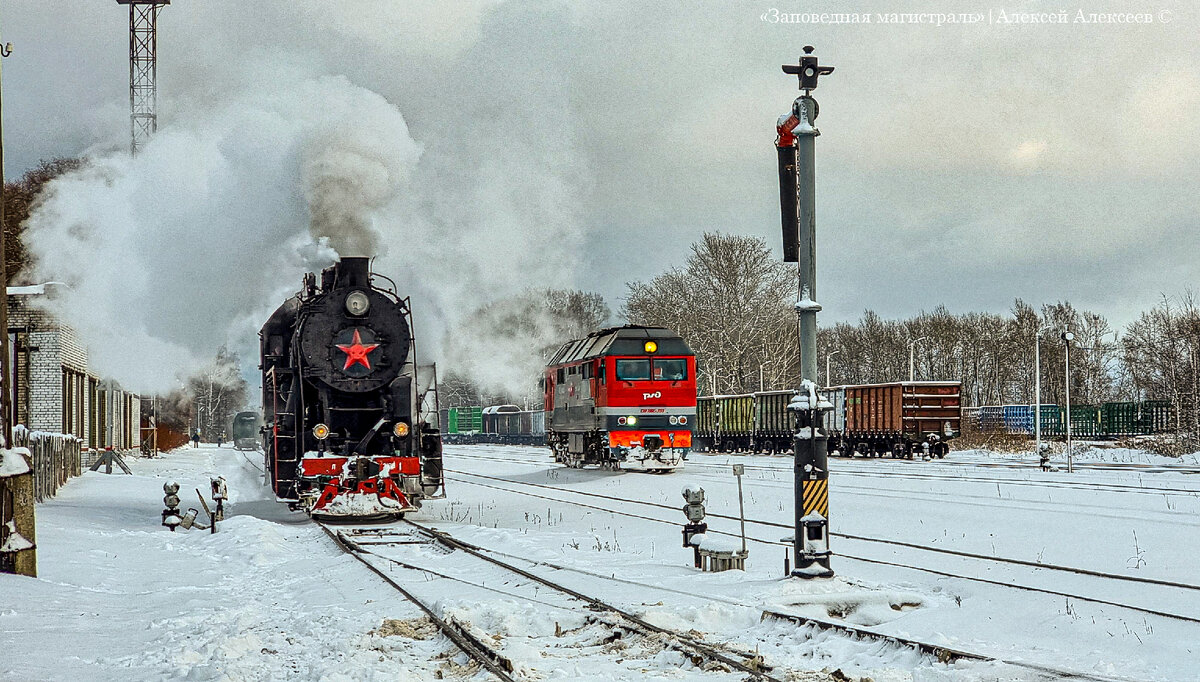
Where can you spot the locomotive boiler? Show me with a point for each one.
(350, 418)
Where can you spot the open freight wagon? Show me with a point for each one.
(901, 418)
(1107, 420)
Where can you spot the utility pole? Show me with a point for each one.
(143, 70)
(828, 357)
(796, 147)
(6, 353)
(1067, 338)
(912, 346)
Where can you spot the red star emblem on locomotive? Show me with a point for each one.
(357, 352)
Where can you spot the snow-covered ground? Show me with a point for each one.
(271, 597)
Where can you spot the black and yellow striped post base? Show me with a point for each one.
(811, 542)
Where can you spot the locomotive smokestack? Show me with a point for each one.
(353, 271)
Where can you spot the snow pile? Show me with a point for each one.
(120, 597)
(13, 462)
(15, 541)
(360, 504)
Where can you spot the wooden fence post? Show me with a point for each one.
(17, 518)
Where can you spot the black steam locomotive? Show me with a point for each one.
(350, 421)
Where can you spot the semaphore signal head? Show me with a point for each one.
(808, 70)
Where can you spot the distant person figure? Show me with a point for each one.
(196, 439)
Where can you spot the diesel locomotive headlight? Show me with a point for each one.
(632, 421)
(320, 432)
(400, 429)
(674, 420)
(357, 303)
(651, 346)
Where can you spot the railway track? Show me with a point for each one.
(867, 472)
(1108, 579)
(365, 545)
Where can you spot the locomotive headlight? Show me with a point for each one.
(632, 421)
(400, 429)
(674, 420)
(650, 346)
(320, 432)
(357, 303)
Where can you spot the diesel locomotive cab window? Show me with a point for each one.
(670, 370)
(633, 370)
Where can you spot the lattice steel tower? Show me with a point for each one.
(143, 69)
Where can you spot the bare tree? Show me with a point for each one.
(496, 354)
(732, 303)
(217, 391)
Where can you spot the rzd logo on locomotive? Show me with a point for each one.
(656, 394)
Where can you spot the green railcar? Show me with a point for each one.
(1156, 416)
(1121, 418)
(1135, 418)
(736, 415)
(464, 420)
(771, 416)
(1052, 421)
(706, 417)
(1085, 421)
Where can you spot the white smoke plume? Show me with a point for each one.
(190, 244)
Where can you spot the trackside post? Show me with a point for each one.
(796, 132)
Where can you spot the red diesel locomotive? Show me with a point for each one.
(622, 397)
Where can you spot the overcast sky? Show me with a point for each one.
(964, 165)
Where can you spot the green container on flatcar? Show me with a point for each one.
(471, 420)
(452, 421)
(736, 414)
(1135, 418)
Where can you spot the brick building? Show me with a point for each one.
(53, 389)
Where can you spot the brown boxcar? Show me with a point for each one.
(900, 418)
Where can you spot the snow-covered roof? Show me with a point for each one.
(33, 289)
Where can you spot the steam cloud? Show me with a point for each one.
(191, 244)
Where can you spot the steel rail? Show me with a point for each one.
(470, 645)
(1028, 588)
(696, 647)
(864, 538)
(1098, 486)
(940, 653)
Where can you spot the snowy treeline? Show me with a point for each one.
(733, 302)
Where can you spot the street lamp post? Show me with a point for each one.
(912, 345)
(1037, 389)
(1067, 337)
(827, 357)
